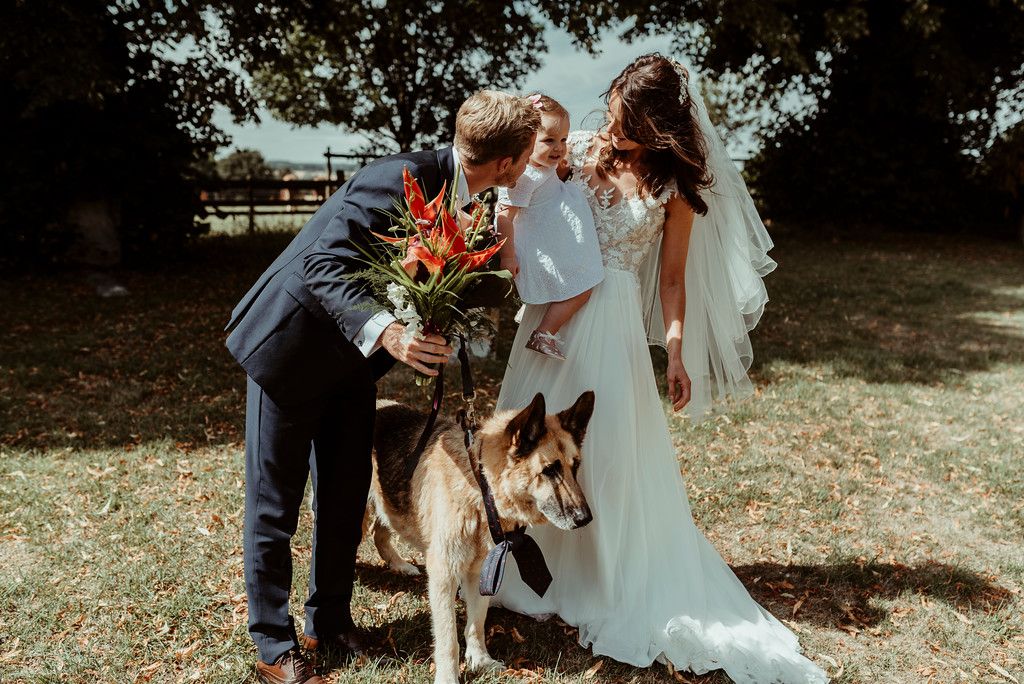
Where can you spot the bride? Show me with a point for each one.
(684, 252)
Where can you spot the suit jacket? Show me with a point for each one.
(293, 330)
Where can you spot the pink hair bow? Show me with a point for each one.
(535, 99)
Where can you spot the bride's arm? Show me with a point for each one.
(675, 243)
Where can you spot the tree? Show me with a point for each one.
(395, 71)
(103, 119)
(908, 114)
(1001, 177)
(903, 95)
(244, 163)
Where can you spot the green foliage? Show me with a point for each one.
(908, 112)
(244, 163)
(1002, 174)
(903, 94)
(396, 71)
(100, 107)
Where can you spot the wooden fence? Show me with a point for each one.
(255, 197)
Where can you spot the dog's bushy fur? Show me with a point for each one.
(530, 460)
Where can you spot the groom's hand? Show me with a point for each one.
(416, 353)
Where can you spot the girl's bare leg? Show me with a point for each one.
(545, 340)
(559, 313)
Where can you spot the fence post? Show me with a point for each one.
(252, 208)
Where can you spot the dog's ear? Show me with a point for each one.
(576, 418)
(527, 428)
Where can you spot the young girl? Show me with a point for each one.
(551, 248)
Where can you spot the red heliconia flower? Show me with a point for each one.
(418, 253)
(449, 235)
(425, 214)
(474, 260)
(388, 238)
(413, 194)
(431, 211)
(438, 237)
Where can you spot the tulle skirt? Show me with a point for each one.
(641, 583)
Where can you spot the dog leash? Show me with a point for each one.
(428, 429)
(532, 568)
(530, 559)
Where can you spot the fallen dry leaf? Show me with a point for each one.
(1002, 672)
(394, 599)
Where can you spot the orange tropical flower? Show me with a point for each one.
(419, 253)
(431, 211)
(424, 264)
(413, 194)
(449, 235)
(387, 238)
(474, 260)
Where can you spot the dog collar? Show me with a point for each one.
(530, 559)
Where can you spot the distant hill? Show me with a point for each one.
(309, 170)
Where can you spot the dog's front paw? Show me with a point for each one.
(483, 662)
(405, 568)
(446, 679)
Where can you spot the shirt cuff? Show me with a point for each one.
(368, 338)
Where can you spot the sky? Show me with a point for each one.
(580, 94)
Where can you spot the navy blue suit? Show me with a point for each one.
(311, 399)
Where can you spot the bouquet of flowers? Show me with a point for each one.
(429, 259)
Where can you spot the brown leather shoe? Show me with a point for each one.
(350, 643)
(291, 668)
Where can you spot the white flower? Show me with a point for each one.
(396, 293)
(406, 313)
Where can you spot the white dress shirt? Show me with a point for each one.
(368, 337)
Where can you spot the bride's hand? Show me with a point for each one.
(678, 385)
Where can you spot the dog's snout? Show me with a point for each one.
(581, 517)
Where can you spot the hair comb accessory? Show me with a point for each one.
(535, 99)
(684, 80)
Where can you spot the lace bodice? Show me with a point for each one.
(626, 229)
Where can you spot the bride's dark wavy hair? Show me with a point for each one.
(653, 116)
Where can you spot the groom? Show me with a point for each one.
(313, 347)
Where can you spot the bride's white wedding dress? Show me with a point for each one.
(640, 582)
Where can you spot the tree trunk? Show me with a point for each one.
(95, 222)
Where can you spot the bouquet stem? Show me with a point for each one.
(429, 328)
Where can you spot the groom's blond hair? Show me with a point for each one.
(494, 125)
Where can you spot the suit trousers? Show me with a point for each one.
(329, 438)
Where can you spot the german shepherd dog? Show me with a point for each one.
(529, 458)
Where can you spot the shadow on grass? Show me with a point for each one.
(521, 642)
(382, 579)
(80, 371)
(904, 308)
(833, 596)
(840, 595)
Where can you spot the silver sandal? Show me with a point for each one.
(548, 344)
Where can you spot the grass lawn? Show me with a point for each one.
(871, 495)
